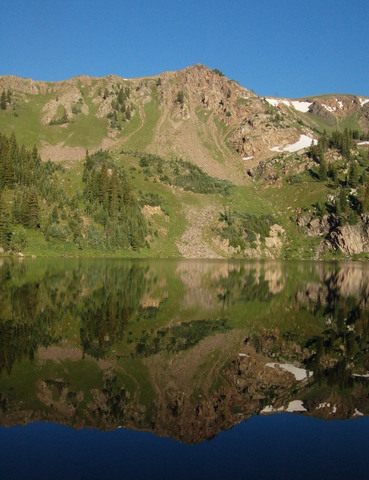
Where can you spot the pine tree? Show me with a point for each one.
(342, 200)
(104, 185)
(121, 96)
(8, 169)
(64, 118)
(4, 225)
(113, 194)
(365, 198)
(333, 174)
(322, 168)
(32, 209)
(54, 215)
(3, 101)
(353, 175)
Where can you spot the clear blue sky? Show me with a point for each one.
(288, 48)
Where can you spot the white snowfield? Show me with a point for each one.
(273, 101)
(358, 413)
(247, 158)
(301, 106)
(363, 101)
(294, 406)
(363, 143)
(296, 104)
(304, 142)
(300, 373)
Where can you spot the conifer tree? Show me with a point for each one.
(104, 185)
(4, 225)
(353, 175)
(32, 209)
(342, 200)
(8, 169)
(113, 194)
(3, 101)
(322, 168)
(365, 198)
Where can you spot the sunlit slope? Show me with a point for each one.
(196, 114)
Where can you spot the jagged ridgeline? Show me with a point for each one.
(101, 213)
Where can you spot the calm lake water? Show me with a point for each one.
(183, 369)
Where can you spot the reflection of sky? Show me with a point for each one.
(278, 446)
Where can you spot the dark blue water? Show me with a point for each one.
(277, 446)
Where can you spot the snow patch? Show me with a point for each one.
(296, 406)
(360, 376)
(296, 104)
(340, 104)
(363, 143)
(247, 158)
(271, 409)
(301, 106)
(299, 373)
(357, 413)
(273, 101)
(323, 405)
(363, 101)
(243, 355)
(304, 142)
(330, 109)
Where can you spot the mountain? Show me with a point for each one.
(196, 115)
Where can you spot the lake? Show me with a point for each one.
(183, 369)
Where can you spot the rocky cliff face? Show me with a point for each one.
(201, 115)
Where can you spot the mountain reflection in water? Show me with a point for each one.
(184, 349)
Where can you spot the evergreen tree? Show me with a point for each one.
(121, 96)
(8, 169)
(64, 118)
(353, 175)
(333, 174)
(322, 168)
(113, 194)
(365, 198)
(104, 185)
(4, 225)
(54, 215)
(364, 178)
(342, 200)
(3, 101)
(32, 209)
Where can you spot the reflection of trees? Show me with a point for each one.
(24, 323)
(344, 342)
(108, 310)
(106, 298)
(243, 285)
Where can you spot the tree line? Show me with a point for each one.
(104, 214)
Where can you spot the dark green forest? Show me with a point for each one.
(103, 214)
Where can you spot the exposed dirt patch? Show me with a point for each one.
(192, 244)
(60, 151)
(59, 353)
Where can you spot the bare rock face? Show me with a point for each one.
(276, 238)
(321, 226)
(350, 239)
